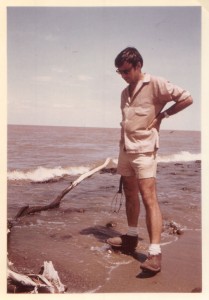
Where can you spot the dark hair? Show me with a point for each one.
(130, 55)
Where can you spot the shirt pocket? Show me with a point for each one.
(141, 112)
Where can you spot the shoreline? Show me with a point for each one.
(73, 236)
(113, 272)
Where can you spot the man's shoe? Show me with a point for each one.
(152, 263)
(124, 243)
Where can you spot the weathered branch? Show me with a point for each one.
(46, 282)
(56, 203)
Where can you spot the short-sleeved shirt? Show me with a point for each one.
(150, 96)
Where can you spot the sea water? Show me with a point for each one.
(40, 153)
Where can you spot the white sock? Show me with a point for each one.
(132, 231)
(154, 249)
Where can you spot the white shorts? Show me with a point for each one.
(140, 165)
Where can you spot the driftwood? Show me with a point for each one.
(56, 203)
(47, 281)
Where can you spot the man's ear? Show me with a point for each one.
(139, 66)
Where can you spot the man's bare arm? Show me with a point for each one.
(174, 109)
(177, 107)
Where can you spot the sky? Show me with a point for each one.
(60, 61)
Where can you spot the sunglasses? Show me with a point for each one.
(125, 72)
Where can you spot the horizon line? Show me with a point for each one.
(99, 127)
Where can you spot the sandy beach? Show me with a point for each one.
(177, 275)
(117, 273)
(74, 235)
(74, 240)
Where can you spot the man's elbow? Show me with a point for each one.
(189, 100)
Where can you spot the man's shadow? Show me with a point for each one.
(102, 233)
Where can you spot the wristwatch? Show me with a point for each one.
(166, 115)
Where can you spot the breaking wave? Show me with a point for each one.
(183, 156)
(42, 174)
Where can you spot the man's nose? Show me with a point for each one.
(123, 75)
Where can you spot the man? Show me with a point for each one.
(142, 102)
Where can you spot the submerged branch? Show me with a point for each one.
(56, 203)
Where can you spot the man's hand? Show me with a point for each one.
(156, 122)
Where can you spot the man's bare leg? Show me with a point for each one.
(131, 190)
(129, 241)
(147, 188)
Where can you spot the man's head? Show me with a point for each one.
(130, 55)
(129, 63)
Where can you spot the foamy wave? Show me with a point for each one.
(42, 174)
(183, 156)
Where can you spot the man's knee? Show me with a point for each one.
(130, 187)
(147, 188)
(129, 182)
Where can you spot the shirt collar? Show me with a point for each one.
(147, 78)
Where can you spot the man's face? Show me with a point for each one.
(129, 73)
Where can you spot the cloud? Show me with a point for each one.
(62, 105)
(84, 77)
(59, 70)
(42, 78)
(51, 38)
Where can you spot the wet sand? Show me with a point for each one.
(96, 268)
(181, 271)
(73, 237)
